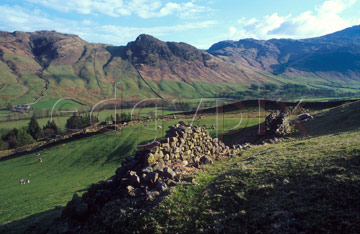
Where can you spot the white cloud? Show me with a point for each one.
(142, 8)
(124, 34)
(325, 19)
(17, 18)
(20, 19)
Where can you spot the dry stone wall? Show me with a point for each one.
(154, 168)
(277, 124)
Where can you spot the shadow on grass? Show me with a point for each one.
(335, 121)
(263, 199)
(37, 223)
(242, 136)
(321, 201)
(120, 153)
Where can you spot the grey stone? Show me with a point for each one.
(160, 165)
(134, 179)
(169, 173)
(206, 160)
(129, 188)
(151, 195)
(161, 186)
(81, 209)
(148, 170)
(171, 183)
(153, 177)
(305, 117)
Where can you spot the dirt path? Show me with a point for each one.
(2, 88)
(46, 87)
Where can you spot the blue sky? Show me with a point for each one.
(197, 22)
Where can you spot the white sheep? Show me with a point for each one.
(24, 181)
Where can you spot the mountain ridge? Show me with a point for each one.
(45, 65)
(294, 57)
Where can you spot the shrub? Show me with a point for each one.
(254, 86)
(51, 129)
(34, 128)
(74, 122)
(18, 137)
(79, 122)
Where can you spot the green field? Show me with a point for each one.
(66, 169)
(4, 112)
(72, 167)
(57, 105)
(61, 120)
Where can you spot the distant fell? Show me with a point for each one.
(47, 65)
(334, 56)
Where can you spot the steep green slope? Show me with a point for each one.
(19, 81)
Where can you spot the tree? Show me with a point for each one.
(271, 87)
(182, 106)
(24, 138)
(79, 122)
(9, 106)
(2, 144)
(254, 86)
(74, 122)
(34, 128)
(125, 117)
(51, 129)
(110, 118)
(18, 137)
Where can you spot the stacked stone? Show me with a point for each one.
(185, 145)
(277, 124)
(155, 168)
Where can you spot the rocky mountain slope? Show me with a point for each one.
(52, 65)
(48, 65)
(335, 57)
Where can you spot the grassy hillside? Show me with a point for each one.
(336, 120)
(64, 104)
(308, 185)
(64, 65)
(72, 167)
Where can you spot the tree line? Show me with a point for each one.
(287, 91)
(17, 137)
(27, 135)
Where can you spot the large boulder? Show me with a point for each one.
(305, 117)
